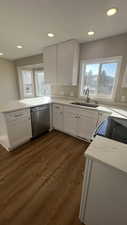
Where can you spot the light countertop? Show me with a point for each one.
(25, 103)
(13, 106)
(110, 152)
(32, 102)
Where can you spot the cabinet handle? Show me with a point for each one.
(19, 115)
(77, 116)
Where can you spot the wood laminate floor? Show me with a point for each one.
(40, 182)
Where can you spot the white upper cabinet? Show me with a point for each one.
(61, 63)
(67, 62)
(49, 55)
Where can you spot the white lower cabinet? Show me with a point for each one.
(75, 121)
(103, 198)
(70, 121)
(80, 123)
(86, 127)
(58, 117)
(15, 128)
(86, 124)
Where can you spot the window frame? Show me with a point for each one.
(33, 86)
(101, 61)
(29, 68)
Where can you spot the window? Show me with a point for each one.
(31, 82)
(27, 80)
(100, 77)
(39, 83)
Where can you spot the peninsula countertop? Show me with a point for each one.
(109, 152)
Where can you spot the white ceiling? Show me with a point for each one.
(27, 22)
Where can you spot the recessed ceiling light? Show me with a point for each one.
(90, 33)
(1, 53)
(112, 11)
(51, 35)
(19, 46)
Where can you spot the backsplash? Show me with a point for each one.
(67, 91)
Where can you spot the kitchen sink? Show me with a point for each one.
(92, 105)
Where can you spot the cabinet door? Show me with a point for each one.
(66, 69)
(70, 123)
(49, 55)
(58, 117)
(19, 131)
(106, 200)
(86, 126)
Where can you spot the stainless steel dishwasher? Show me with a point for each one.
(40, 118)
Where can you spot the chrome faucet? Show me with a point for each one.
(86, 92)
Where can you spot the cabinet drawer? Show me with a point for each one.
(57, 107)
(88, 113)
(17, 114)
(73, 110)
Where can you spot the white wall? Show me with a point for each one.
(8, 82)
